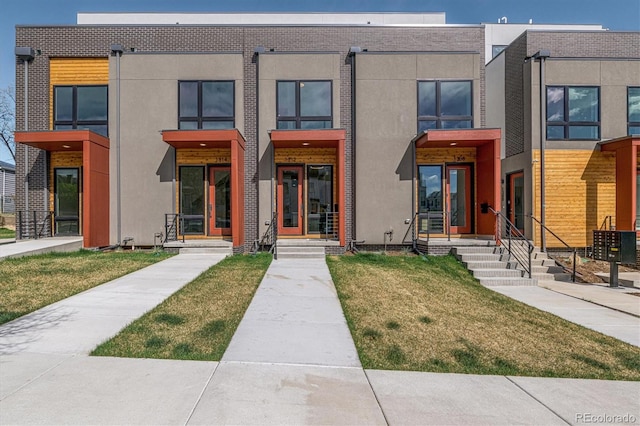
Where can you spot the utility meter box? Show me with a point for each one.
(615, 246)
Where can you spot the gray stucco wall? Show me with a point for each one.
(386, 122)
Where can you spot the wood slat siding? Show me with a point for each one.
(75, 71)
(580, 192)
(59, 159)
(199, 157)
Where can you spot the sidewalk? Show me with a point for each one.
(42, 245)
(291, 361)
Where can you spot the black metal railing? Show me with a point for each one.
(173, 224)
(34, 224)
(431, 222)
(571, 249)
(605, 226)
(510, 237)
(269, 238)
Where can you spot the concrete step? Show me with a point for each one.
(543, 262)
(206, 250)
(490, 265)
(489, 257)
(489, 282)
(545, 276)
(475, 250)
(494, 273)
(300, 252)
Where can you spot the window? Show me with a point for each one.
(444, 105)
(496, 49)
(573, 113)
(66, 201)
(206, 105)
(304, 105)
(192, 199)
(80, 107)
(633, 110)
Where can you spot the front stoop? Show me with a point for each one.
(303, 248)
(493, 266)
(200, 247)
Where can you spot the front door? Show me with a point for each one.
(516, 200)
(67, 201)
(219, 201)
(290, 204)
(458, 195)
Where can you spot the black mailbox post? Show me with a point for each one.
(614, 247)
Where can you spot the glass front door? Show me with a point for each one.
(290, 204)
(458, 194)
(67, 201)
(430, 202)
(638, 201)
(219, 201)
(516, 200)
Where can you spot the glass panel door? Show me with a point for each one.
(320, 200)
(638, 201)
(516, 200)
(192, 199)
(67, 201)
(430, 199)
(290, 206)
(219, 201)
(459, 198)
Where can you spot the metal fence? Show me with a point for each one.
(7, 204)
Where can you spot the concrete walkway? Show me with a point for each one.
(620, 325)
(42, 245)
(291, 361)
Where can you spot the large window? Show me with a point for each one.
(206, 105)
(304, 105)
(67, 201)
(633, 110)
(445, 105)
(192, 199)
(80, 107)
(573, 112)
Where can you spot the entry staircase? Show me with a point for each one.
(203, 246)
(494, 266)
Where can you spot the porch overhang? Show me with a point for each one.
(219, 138)
(626, 151)
(487, 144)
(320, 138)
(95, 175)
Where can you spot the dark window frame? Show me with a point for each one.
(74, 122)
(200, 118)
(438, 117)
(298, 119)
(566, 124)
(630, 123)
(186, 218)
(56, 217)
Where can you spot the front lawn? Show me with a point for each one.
(198, 321)
(430, 314)
(31, 282)
(7, 233)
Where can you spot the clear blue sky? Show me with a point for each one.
(617, 15)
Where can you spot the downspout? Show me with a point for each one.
(117, 49)
(26, 128)
(352, 54)
(414, 189)
(542, 55)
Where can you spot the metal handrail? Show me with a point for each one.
(270, 236)
(414, 229)
(33, 224)
(573, 272)
(603, 227)
(518, 246)
(171, 227)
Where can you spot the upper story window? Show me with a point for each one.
(81, 107)
(445, 105)
(633, 110)
(496, 49)
(304, 105)
(206, 105)
(573, 112)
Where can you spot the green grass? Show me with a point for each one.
(430, 314)
(198, 321)
(31, 282)
(7, 233)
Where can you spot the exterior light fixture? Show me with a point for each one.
(66, 146)
(305, 144)
(453, 143)
(203, 144)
